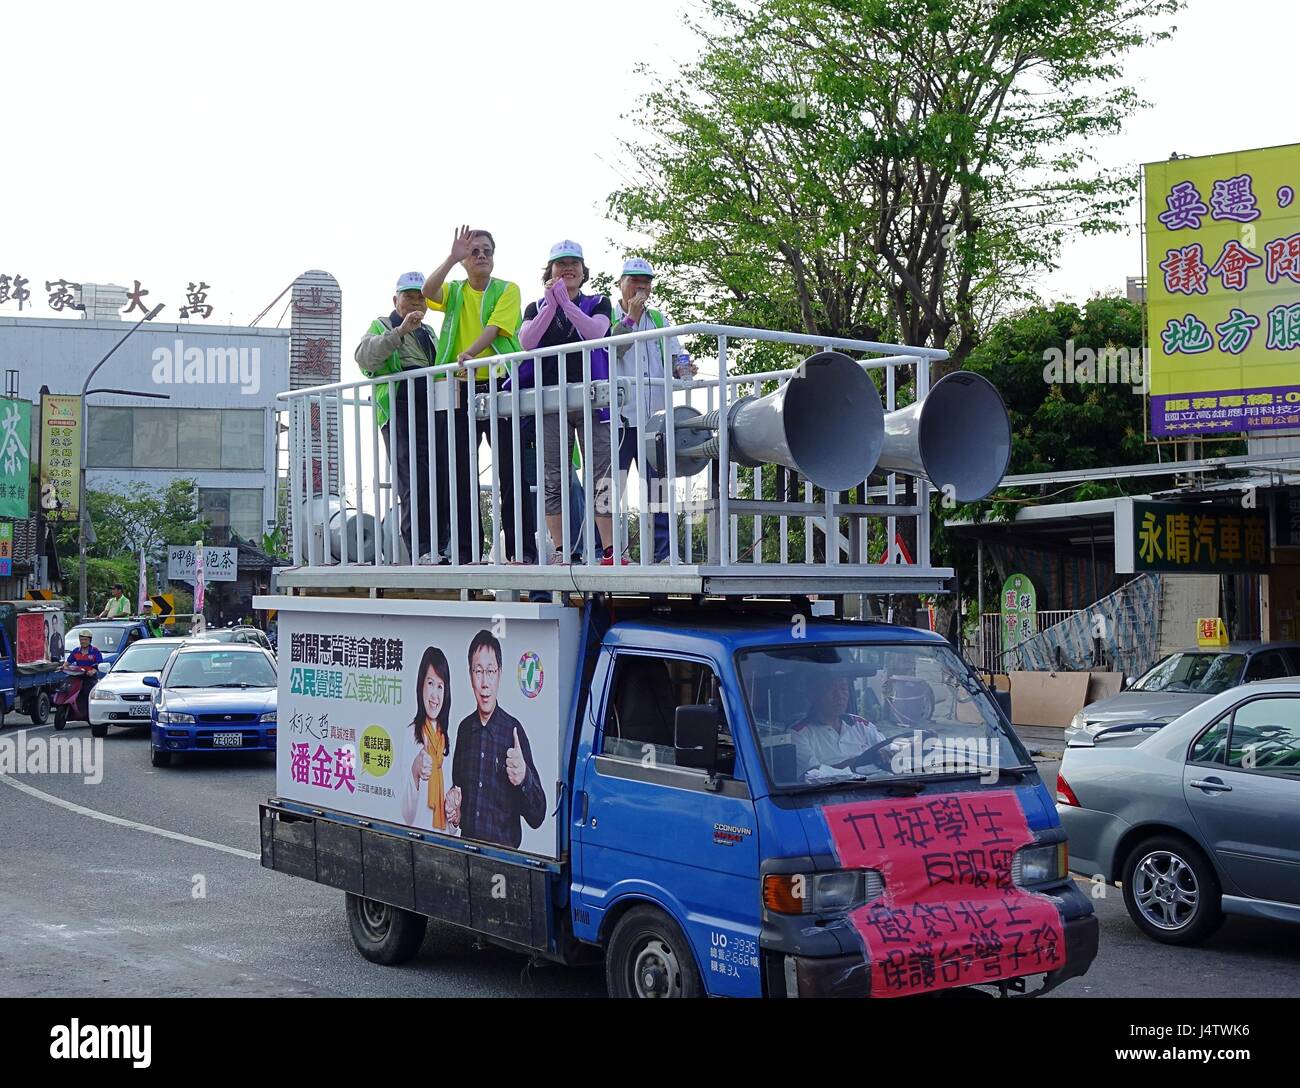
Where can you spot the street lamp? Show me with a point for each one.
(81, 487)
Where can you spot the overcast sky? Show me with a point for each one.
(244, 143)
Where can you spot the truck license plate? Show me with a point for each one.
(227, 740)
(138, 710)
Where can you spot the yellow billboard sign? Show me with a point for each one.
(60, 454)
(1223, 292)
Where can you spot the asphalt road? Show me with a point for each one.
(97, 907)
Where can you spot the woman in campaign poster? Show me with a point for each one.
(424, 800)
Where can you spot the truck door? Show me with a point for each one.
(8, 682)
(677, 836)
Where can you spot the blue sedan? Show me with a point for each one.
(213, 699)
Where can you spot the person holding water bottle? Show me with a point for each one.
(633, 314)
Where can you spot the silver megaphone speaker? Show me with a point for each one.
(958, 437)
(826, 423)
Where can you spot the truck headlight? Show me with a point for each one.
(1040, 864)
(98, 695)
(821, 893)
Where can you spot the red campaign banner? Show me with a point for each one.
(31, 638)
(950, 915)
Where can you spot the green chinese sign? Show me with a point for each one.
(1197, 539)
(1019, 610)
(15, 457)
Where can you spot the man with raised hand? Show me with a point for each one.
(481, 318)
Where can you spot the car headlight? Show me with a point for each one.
(1040, 864)
(172, 717)
(268, 718)
(99, 695)
(821, 893)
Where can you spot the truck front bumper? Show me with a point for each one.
(850, 976)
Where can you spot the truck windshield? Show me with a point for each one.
(840, 714)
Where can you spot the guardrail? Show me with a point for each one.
(743, 521)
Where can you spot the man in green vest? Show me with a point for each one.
(481, 318)
(393, 344)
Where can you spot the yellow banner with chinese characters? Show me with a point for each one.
(60, 455)
(1223, 291)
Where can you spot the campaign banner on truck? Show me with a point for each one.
(442, 716)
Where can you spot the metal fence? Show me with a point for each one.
(998, 646)
(748, 522)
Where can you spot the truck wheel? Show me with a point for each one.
(99, 729)
(649, 956)
(60, 717)
(1171, 891)
(382, 933)
(160, 759)
(40, 707)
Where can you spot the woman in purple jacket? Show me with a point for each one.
(565, 315)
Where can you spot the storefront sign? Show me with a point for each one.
(219, 564)
(1190, 538)
(1019, 610)
(60, 455)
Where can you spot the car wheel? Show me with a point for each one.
(1171, 891)
(99, 729)
(60, 717)
(160, 759)
(40, 708)
(384, 933)
(649, 956)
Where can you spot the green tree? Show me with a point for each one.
(128, 520)
(881, 169)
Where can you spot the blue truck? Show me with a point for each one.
(31, 653)
(713, 769)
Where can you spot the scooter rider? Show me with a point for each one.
(84, 662)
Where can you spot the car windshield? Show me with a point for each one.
(144, 656)
(836, 715)
(221, 669)
(104, 639)
(1199, 673)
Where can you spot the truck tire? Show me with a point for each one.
(383, 933)
(39, 707)
(648, 956)
(160, 759)
(99, 729)
(1171, 891)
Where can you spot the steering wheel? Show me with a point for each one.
(875, 754)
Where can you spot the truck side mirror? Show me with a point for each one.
(695, 736)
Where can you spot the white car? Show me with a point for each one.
(121, 697)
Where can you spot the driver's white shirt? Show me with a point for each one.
(815, 743)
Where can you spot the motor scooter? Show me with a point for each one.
(72, 699)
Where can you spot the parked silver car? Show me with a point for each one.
(1185, 679)
(1195, 818)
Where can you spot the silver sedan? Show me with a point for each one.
(1195, 818)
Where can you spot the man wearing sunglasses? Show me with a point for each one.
(481, 318)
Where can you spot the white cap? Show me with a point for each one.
(567, 248)
(410, 281)
(637, 266)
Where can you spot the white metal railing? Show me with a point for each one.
(343, 483)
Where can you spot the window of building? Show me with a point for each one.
(232, 509)
(176, 438)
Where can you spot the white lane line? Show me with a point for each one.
(81, 810)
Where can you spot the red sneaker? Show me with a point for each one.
(607, 560)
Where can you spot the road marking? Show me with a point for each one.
(135, 825)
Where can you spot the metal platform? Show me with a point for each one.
(739, 580)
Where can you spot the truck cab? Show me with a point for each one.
(734, 841)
